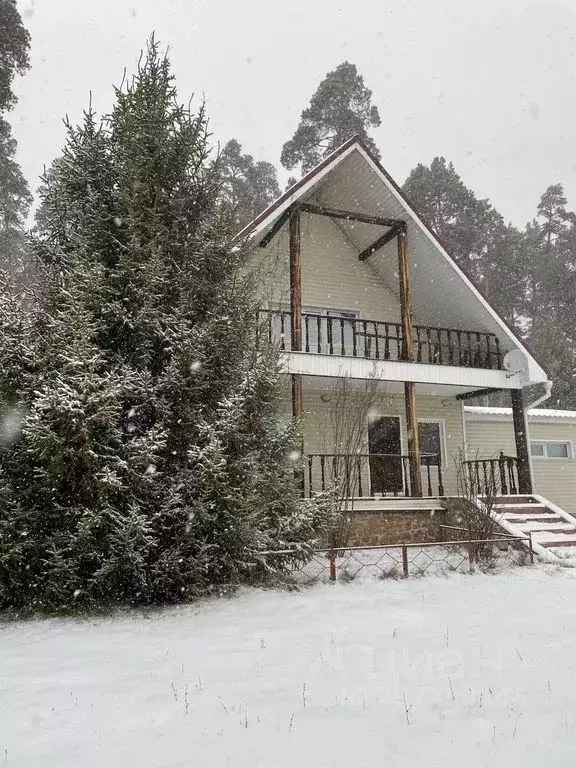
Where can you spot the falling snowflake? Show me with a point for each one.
(10, 426)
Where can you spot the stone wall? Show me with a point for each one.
(374, 528)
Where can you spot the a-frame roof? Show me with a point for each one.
(352, 179)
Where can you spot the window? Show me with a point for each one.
(316, 334)
(430, 434)
(549, 449)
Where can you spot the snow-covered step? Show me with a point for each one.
(517, 509)
(559, 529)
(515, 500)
(550, 527)
(532, 519)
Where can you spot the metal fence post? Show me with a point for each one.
(332, 558)
(405, 561)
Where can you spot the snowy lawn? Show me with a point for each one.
(472, 671)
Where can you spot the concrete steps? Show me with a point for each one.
(551, 528)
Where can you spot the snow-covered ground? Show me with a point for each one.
(474, 671)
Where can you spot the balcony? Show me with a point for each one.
(379, 340)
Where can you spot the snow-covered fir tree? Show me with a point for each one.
(151, 464)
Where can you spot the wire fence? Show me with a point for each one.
(464, 555)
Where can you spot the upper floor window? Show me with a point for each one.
(551, 449)
(329, 336)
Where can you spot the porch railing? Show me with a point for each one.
(492, 477)
(365, 475)
(379, 340)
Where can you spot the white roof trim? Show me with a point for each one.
(418, 221)
(536, 374)
(482, 413)
(302, 190)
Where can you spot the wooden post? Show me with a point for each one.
(521, 438)
(296, 307)
(408, 354)
(413, 439)
(405, 296)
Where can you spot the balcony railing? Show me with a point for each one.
(370, 474)
(492, 477)
(379, 340)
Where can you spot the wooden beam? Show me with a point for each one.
(276, 227)
(405, 297)
(478, 393)
(296, 305)
(521, 439)
(337, 213)
(380, 242)
(408, 354)
(413, 439)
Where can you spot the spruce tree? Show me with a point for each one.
(341, 107)
(152, 464)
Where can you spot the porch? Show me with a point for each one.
(356, 435)
(372, 475)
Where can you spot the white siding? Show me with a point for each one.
(553, 478)
(319, 417)
(332, 274)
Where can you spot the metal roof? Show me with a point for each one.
(486, 413)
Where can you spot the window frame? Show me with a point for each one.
(545, 456)
(442, 432)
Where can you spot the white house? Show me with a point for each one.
(356, 288)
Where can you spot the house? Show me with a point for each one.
(383, 339)
(552, 435)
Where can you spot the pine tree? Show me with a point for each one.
(474, 233)
(341, 107)
(248, 186)
(15, 197)
(552, 292)
(152, 465)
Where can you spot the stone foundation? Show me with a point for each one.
(378, 527)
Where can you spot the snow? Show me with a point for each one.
(467, 670)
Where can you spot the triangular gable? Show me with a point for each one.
(352, 178)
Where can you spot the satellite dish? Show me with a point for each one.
(515, 362)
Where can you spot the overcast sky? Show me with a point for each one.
(489, 84)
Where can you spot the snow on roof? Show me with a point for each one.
(485, 413)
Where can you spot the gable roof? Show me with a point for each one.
(351, 178)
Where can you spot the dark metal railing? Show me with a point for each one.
(380, 340)
(364, 475)
(492, 477)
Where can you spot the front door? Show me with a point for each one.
(385, 449)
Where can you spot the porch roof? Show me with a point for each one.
(352, 179)
(489, 413)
